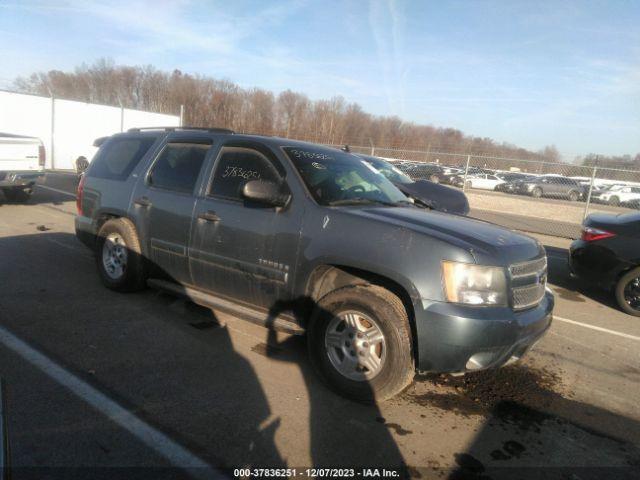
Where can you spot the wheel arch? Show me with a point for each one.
(326, 278)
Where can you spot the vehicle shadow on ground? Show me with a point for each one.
(573, 289)
(182, 373)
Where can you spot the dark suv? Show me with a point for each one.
(312, 240)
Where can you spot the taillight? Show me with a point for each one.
(42, 156)
(79, 194)
(590, 234)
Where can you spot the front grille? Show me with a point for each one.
(533, 267)
(528, 280)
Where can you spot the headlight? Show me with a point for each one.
(474, 284)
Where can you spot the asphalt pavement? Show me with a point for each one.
(106, 385)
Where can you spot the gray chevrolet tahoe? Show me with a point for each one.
(313, 240)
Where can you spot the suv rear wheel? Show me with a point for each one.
(359, 341)
(118, 256)
(628, 292)
(574, 196)
(614, 201)
(537, 192)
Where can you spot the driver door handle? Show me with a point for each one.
(143, 202)
(209, 216)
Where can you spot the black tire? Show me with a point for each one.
(536, 192)
(387, 310)
(574, 196)
(614, 201)
(18, 194)
(134, 274)
(627, 278)
(434, 179)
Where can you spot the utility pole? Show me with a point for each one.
(53, 127)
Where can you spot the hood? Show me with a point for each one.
(436, 196)
(488, 243)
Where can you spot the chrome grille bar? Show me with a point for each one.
(531, 282)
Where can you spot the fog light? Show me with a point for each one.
(481, 360)
(473, 363)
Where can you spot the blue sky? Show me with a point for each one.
(532, 73)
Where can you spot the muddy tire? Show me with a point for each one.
(359, 341)
(18, 195)
(537, 192)
(628, 292)
(118, 256)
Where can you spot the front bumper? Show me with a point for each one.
(458, 338)
(20, 179)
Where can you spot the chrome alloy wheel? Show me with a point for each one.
(355, 345)
(114, 256)
(632, 293)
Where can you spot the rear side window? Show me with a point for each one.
(119, 157)
(178, 166)
(237, 166)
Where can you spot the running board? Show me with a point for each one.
(282, 323)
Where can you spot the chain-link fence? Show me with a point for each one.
(532, 196)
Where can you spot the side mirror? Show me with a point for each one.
(265, 192)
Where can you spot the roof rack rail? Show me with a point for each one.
(173, 129)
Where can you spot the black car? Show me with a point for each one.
(609, 254)
(425, 171)
(430, 194)
(512, 182)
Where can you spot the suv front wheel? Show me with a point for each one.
(359, 341)
(118, 256)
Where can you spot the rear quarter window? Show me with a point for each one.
(118, 157)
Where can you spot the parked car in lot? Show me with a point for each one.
(512, 183)
(620, 195)
(457, 179)
(608, 253)
(484, 181)
(553, 186)
(21, 164)
(313, 240)
(424, 171)
(426, 193)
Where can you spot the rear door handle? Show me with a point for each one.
(209, 216)
(143, 202)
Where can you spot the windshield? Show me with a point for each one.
(339, 178)
(390, 171)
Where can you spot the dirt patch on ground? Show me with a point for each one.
(478, 393)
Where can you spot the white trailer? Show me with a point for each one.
(68, 128)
